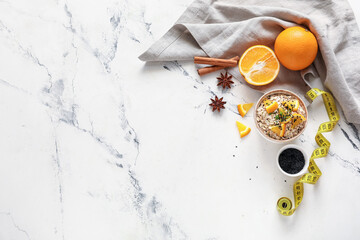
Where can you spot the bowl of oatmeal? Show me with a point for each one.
(280, 116)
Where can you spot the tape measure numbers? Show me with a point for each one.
(284, 204)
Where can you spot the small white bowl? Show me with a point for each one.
(286, 92)
(306, 165)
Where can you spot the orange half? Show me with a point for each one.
(259, 65)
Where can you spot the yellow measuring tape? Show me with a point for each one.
(284, 204)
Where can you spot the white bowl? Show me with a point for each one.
(306, 165)
(286, 92)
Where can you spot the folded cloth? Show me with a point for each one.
(226, 28)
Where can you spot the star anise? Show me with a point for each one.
(217, 104)
(225, 80)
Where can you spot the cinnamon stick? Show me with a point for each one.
(210, 69)
(215, 61)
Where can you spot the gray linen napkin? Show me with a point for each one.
(226, 28)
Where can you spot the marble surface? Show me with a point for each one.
(95, 144)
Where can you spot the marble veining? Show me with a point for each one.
(95, 144)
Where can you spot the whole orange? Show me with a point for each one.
(296, 48)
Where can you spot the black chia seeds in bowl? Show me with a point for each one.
(292, 160)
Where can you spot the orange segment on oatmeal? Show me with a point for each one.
(284, 115)
(279, 130)
(243, 130)
(286, 119)
(293, 105)
(272, 107)
(267, 102)
(281, 111)
(244, 108)
(297, 119)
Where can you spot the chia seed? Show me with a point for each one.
(291, 160)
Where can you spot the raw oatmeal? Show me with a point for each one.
(273, 123)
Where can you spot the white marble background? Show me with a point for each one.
(95, 144)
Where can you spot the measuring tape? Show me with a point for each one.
(284, 204)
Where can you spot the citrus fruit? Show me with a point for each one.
(297, 119)
(259, 65)
(293, 104)
(244, 108)
(272, 107)
(279, 130)
(267, 102)
(243, 130)
(284, 115)
(296, 48)
(287, 119)
(281, 111)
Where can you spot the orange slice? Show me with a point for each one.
(288, 119)
(281, 111)
(243, 130)
(284, 117)
(293, 104)
(259, 65)
(267, 102)
(244, 108)
(272, 107)
(279, 130)
(297, 119)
